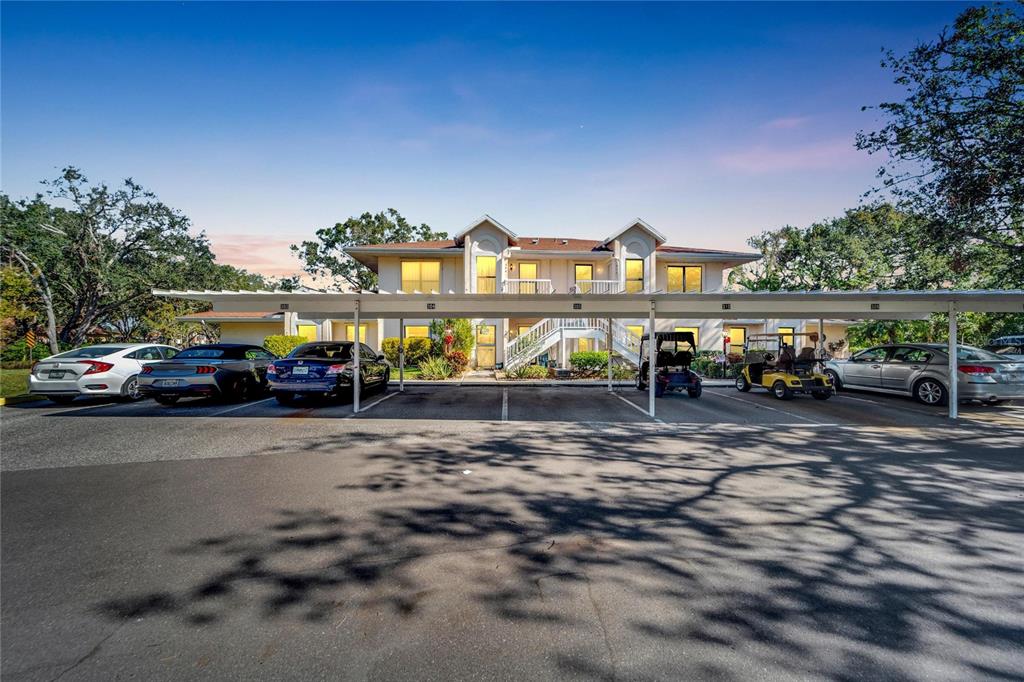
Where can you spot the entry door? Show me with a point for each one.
(584, 272)
(527, 271)
(486, 335)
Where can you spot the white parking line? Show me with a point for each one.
(238, 407)
(773, 409)
(378, 401)
(504, 404)
(637, 407)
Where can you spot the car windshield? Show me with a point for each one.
(324, 351)
(972, 354)
(200, 353)
(90, 352)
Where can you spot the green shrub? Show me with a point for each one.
(281, 345)
(589, 362)
(17, 351)
(463, 335)
(528, 372)
(623, 373)
(435, 367)
(416, 350)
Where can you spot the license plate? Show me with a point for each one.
(166, 382)
(56, 374)
(300, 370)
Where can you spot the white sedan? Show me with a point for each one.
(110, 369)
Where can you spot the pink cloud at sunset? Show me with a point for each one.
(827, 155)
(263, 255)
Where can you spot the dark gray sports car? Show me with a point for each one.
(226, 370)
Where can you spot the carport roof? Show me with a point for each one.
(705, 305)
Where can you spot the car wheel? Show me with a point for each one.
(930, 392)
(994, 401)
(694, 392)
(742, 384)
(130, 389)
(781, 391)
(167, 399)
(833, 376)
(244, 390)
(284, 398)
(61, 399)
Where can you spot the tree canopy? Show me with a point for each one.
(955, 144)
(325, 255)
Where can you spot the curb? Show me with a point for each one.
(15, 399)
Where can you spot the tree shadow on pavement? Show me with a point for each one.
(843, 553)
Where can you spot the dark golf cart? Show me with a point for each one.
(673, 355)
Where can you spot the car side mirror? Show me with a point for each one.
(380, 358)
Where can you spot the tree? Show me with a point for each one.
(956, 143)
(325, 257)
(95, 259)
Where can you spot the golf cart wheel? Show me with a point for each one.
(742, 384)
(781, 391)
(695, 392)
(166, 399)
(930, 392)
(821, 395)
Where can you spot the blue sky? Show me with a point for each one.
(263, 122)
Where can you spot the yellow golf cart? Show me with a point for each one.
(771, 362)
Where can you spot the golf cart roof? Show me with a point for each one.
(671, 336)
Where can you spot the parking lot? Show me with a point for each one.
(513, 532)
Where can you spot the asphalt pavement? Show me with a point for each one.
(521, 532)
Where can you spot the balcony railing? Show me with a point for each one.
(596, 286)
(527, 286)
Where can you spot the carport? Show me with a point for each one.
(859, 305)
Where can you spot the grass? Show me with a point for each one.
(410, 373)
(13, 382)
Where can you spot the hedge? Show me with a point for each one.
(416, 350)
(281, 345)
(587, 362)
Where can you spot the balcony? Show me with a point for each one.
(526, 286)
(596, 286)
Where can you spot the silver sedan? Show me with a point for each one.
(921, 370)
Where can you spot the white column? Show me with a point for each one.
(355, 362)
(652, 358)
(954, 377)
(563, 358)
(610, 344)
(401, 354)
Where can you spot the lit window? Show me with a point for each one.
(350, 332)
(307, 331)
(584, 278)
(634, 275)
(786, 335)
(636, 330)
(585, 345)
(486, 274)
(417, 331)
(696, 334)
(685, 278)
(421, 275)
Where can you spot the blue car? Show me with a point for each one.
(325, 368)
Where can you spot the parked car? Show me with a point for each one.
(325, 368)
(110, 369)
(1010, 347)
(235, 371)
(922, 371)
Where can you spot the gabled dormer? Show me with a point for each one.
(485, 242)
(635, 247)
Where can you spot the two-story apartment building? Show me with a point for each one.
(486, 258)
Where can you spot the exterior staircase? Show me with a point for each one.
(551, 330)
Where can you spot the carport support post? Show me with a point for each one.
(609, 355)
(652, 360)
(953, 378)
(401, 354)
(355, 363)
